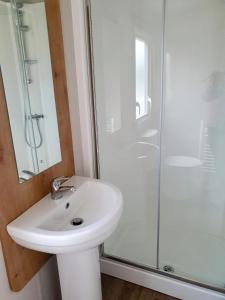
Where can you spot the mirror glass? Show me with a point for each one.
(27, 76)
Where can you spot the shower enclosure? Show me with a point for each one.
(159, 103)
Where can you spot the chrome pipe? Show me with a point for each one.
(24, 28)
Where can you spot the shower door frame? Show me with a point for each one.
(95, 150)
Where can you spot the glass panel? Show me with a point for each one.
(127, 46)
(26, 69)
(192, 217)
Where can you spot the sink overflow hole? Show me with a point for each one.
(77, 221)
(67, 205)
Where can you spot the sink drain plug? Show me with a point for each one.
(77, 221)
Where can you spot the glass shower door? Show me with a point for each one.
(127, 47)
(161, 63)
(192, 197)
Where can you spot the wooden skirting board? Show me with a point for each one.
(15, 198)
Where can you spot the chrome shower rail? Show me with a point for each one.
(20, 30)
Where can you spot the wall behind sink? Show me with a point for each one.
(44, 286)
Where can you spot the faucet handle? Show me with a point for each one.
(56, 183)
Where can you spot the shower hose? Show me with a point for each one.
(30, 118)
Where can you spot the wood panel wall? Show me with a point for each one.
(22, 264)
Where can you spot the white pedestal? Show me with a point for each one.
(79, 275)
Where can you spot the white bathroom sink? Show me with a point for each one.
(47, 226)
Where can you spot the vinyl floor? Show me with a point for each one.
(116, 289)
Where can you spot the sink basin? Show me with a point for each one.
(47, 227)
(72, 227)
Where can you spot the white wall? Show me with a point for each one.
(78, 86)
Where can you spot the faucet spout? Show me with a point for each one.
(58, 190)
(66, 188)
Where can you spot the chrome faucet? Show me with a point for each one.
(57, 189)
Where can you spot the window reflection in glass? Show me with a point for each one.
(141, 64)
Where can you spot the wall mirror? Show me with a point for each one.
(27, 76)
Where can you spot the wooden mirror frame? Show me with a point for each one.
(22, 264)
